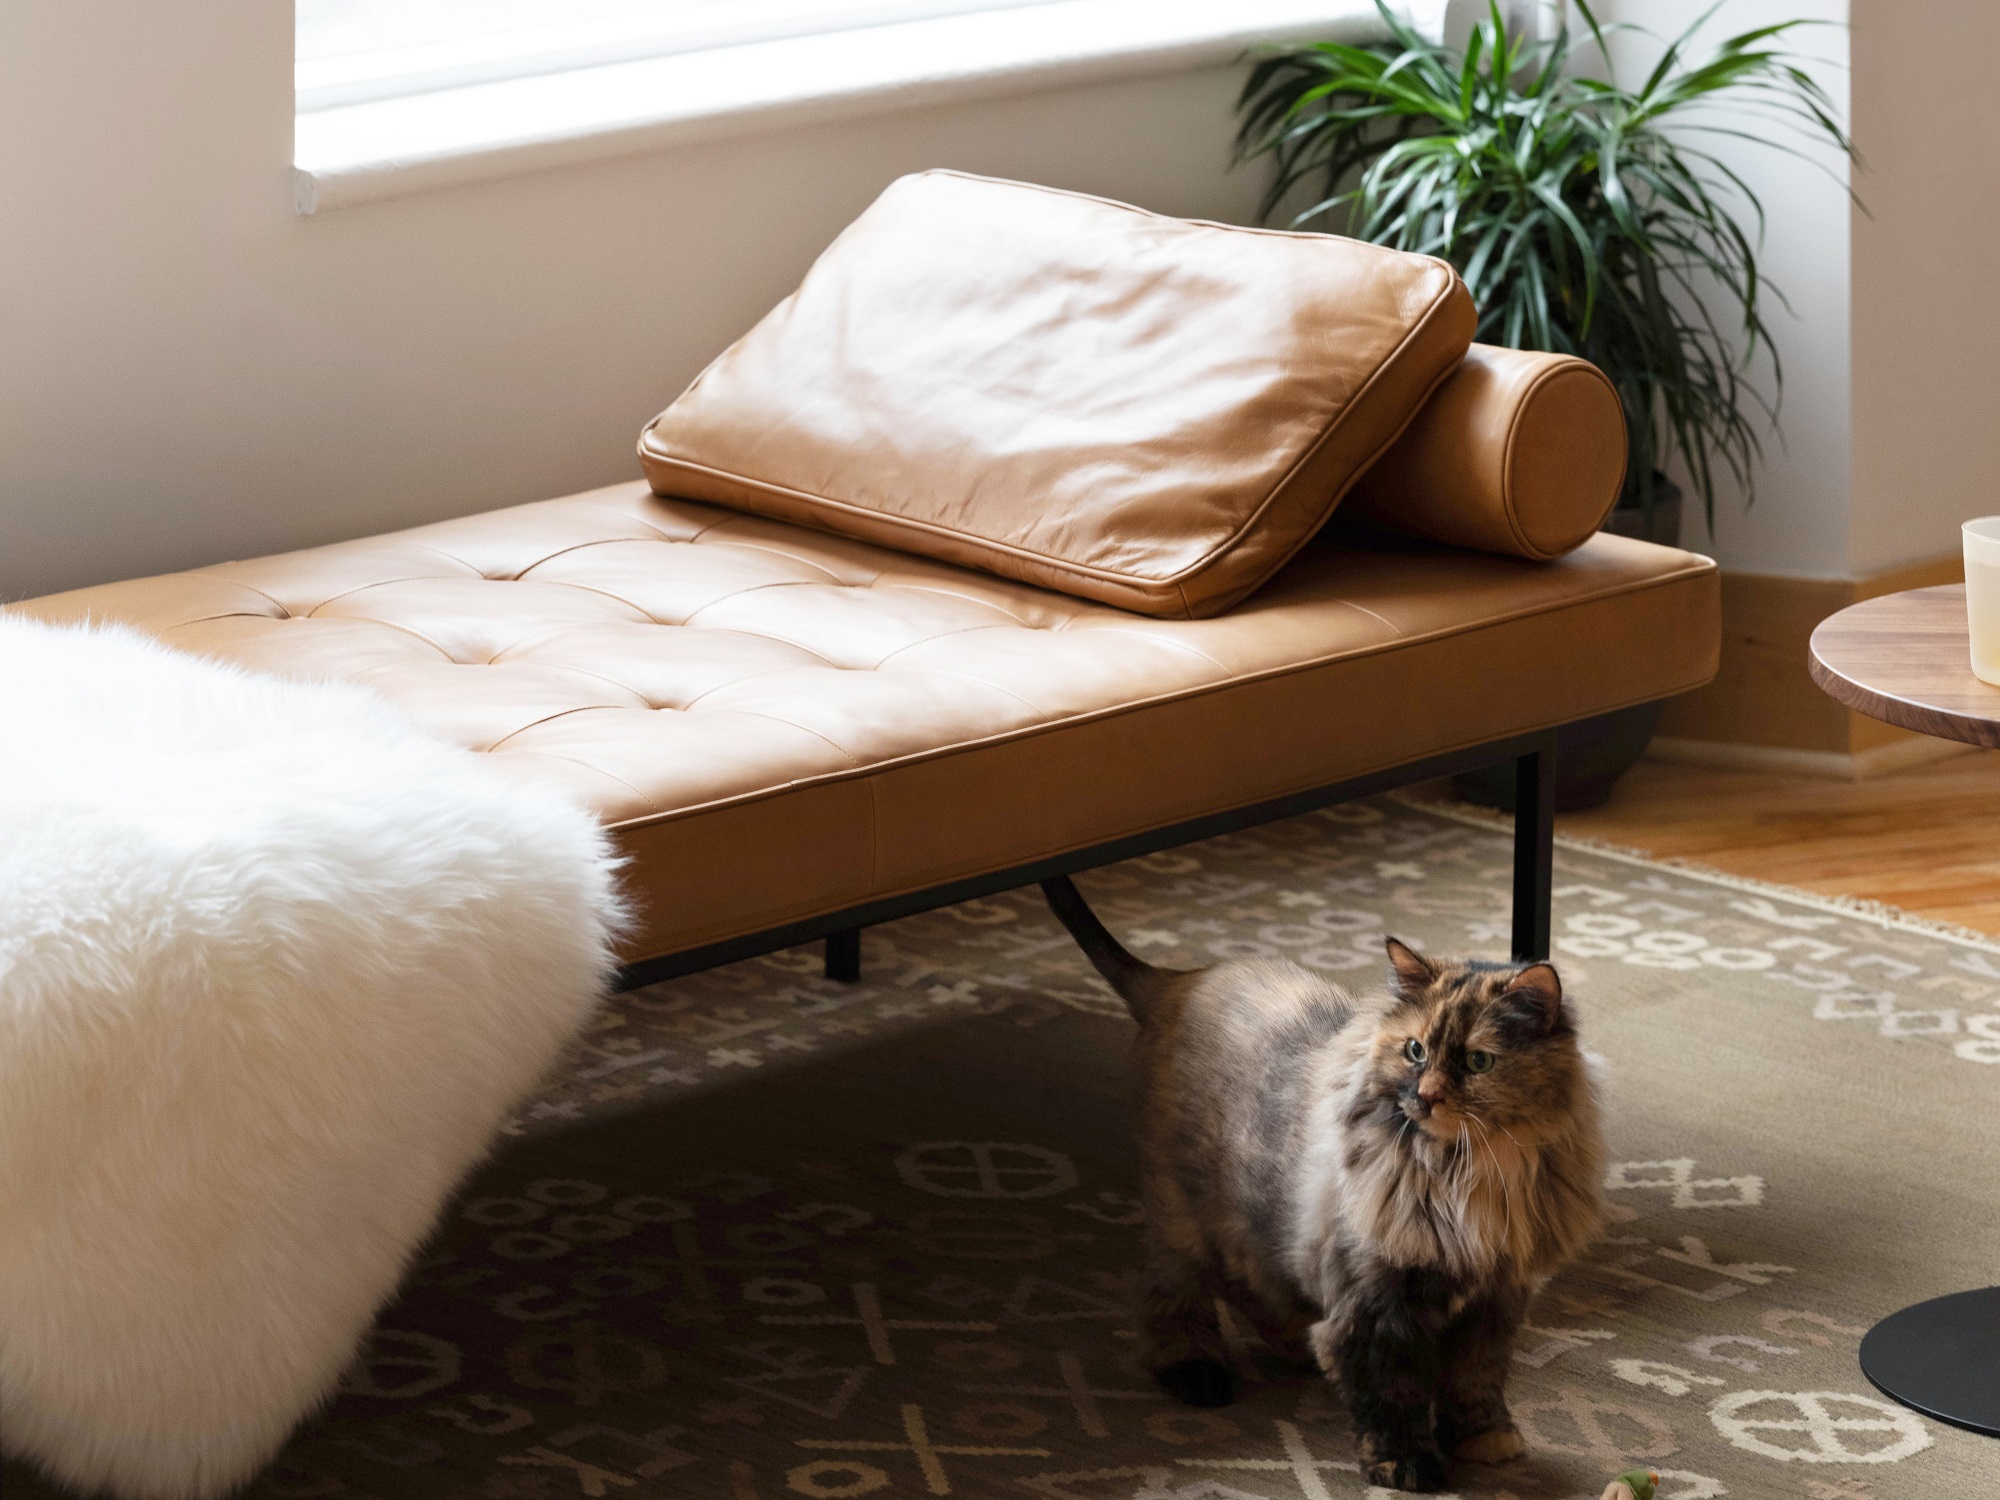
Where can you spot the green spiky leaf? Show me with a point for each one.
(1586, 217)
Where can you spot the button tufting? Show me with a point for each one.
(657, 677)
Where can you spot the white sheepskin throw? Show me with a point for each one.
(273, 966)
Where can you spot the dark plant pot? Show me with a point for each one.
(1592, 754)
(1662, 526)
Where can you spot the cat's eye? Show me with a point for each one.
(1478, 1062)
(1414, 1050)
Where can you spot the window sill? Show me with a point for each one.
(390, 148)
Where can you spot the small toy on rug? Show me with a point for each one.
(1633, 1484)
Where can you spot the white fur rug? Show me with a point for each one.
(273, 964)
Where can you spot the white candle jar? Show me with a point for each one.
(1982, 595)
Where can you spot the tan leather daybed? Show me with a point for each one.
(795, 733)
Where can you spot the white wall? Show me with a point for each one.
(1893, 357)
(1926, 296)
(1800, 522)
(190, 372)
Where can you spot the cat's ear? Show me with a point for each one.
(1414, 972)
(1538, 990)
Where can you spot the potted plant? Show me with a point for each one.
(1586, 217)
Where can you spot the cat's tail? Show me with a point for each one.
(1138, 983)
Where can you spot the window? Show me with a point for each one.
(353, 51)
(404, 96)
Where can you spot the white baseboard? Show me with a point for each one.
(1830, 765)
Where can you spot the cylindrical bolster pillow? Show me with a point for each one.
(1516, 452)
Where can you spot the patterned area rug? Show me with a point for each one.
(773, 1237)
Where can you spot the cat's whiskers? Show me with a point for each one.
(1506, 1186)
(1466, 1169)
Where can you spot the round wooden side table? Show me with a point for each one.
(1906, 659)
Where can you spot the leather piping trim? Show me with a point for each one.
(826, 740)
(1383, 620)
(639, 515)
(284, 612)
(1509, 502)
(746, 713)
(164, 631)
(104, 622)
(973, 599)
(765, 635)
(635, 515)
(564, 713)
(389, 583)
(1703, 566)
(450, 558)
(1230, 817)
(585, 765)
(1337, 497)
(946, 635)
(645, 616)
(723, 687)
(687, 621)
(980, 683)
(1331, 424)
(607, 541)
(612, 682)
(1186, 648)
(748, 545)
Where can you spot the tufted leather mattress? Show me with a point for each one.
(780, 723)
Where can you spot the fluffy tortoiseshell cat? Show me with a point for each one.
(1382, 1180)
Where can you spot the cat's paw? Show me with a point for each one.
(1497, 1445)
(1423, 1472)
(1198, 1382)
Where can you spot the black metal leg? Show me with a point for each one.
(1534, 848)
(1534, 755)
(843, 955)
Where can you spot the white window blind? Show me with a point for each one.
(353, 51)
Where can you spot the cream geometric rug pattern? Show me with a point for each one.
(772, 1237)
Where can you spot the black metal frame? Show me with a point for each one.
(1534, 757)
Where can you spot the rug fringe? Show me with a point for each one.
(1878, 912)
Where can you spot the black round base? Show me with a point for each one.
(1941, 1357)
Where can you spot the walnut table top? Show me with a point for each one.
(1905, 659)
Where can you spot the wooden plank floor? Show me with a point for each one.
(1926, 840)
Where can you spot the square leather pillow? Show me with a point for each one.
(1149, 412)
